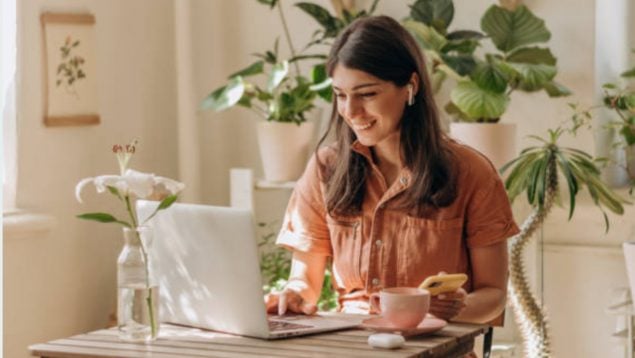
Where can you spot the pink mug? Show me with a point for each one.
(403, 307)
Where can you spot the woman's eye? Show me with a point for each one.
(367, 95)
(340, 95)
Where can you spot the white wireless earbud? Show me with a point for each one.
(411, 95)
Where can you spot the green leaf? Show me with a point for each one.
(270, 3)
(164, 204)
(435, 13)
(278, 73)
(490, 77)
(518, 179)
(323, 17)
(102, 218)
(454, 111)
(426, 36)
(308, 57)
(253, 69)
(572, 183)
(629, 73)
(477, 102)
(512, 29)
(114, 191)
(167, 202)
(533, 77)
(534, 169)
(533, 55)
(461, 46)
(373, 7)
(225, 97)
(555, 89)
(321, 82)
(463, 65)
(628, 134)
(465, 35)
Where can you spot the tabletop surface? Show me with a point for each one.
(175, 341)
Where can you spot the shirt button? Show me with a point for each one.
(375, 281)
(378, 242)
(404, 180)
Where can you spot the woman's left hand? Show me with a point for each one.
(448, 305)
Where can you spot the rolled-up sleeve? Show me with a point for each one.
(490, 219)
(304, 226)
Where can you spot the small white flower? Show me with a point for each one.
(138, 184)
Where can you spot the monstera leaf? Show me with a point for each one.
(512, 29)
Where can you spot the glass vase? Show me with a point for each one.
(138, 291)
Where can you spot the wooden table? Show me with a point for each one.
(454, 340)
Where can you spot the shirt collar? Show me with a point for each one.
(405, 175)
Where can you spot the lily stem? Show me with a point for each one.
(153, 323)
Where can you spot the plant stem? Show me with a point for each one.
(288, 36)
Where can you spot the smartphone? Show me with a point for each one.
(443, 283)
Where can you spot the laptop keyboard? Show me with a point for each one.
(283, 326)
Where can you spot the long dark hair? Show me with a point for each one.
(380, 46)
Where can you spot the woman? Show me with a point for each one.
(394, 200)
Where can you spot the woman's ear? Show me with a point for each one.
(414, 81)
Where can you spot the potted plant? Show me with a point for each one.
(284, 101)
(484, 84)
(535, 172)
(287, 96)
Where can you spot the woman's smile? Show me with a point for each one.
(362, 126)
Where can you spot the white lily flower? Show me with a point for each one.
(140, 185)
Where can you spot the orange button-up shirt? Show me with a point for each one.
(384, 246)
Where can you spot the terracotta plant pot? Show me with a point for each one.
(497, 141)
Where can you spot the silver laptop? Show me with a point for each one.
(207, 265)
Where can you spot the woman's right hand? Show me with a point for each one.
(288, 300)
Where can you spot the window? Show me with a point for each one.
(8, 20)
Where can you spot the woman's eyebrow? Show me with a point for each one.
(363, 85)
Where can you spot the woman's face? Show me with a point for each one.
(371, 107)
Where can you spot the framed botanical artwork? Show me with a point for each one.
(70, 72)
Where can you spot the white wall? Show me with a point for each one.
(63, 282)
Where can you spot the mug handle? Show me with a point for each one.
(374, 302)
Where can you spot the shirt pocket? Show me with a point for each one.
(430, 246)
(346, 238)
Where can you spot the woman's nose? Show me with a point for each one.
(353, 109)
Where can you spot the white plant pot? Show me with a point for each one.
(284, 149)
(497, 141)
(629, 257)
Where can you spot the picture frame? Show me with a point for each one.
(69, 69)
